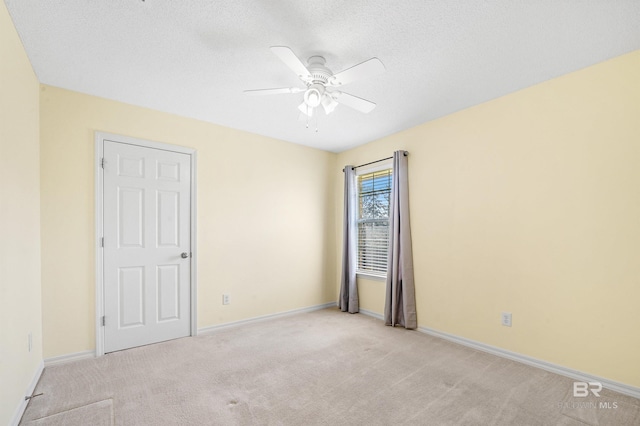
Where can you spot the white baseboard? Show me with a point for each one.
(372, 314)
(534, 362)
(524, 359)
(213, 328)
(63, 359)
(17, 415)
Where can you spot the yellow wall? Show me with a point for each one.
(19, 221)
(265, 216)
(530, 204)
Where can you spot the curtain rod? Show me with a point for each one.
(377, 161)
(373, 162)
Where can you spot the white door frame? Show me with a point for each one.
(100, 138)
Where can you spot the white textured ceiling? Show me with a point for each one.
(194, 58)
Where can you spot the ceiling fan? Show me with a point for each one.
(319, 80)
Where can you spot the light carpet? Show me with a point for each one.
(319, 368)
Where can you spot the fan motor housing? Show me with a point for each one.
(319, 73)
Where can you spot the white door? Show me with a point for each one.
(147, 244)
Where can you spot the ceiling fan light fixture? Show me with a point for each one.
(328, 103)
(305, 109)
(313, 98)
(313, 95)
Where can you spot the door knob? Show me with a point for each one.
(184, 255)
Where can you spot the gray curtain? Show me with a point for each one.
(400, 301)
(348, 300)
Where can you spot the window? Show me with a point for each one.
(373, 195)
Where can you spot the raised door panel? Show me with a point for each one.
(131, 284)
(168, 288)
(131, 217)
(130, 166)
(168, 171)
(168, 218)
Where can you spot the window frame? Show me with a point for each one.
(380, 166)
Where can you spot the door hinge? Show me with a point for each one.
(102, 162)
(102, 242)
(103, 320)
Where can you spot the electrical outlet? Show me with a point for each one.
(225, 299)
(30, 341)
(506, 319)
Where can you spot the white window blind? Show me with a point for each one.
(374, 192)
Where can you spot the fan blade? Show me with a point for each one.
(290, 59)
(274, 91)
(368, 68)
(354, 102)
